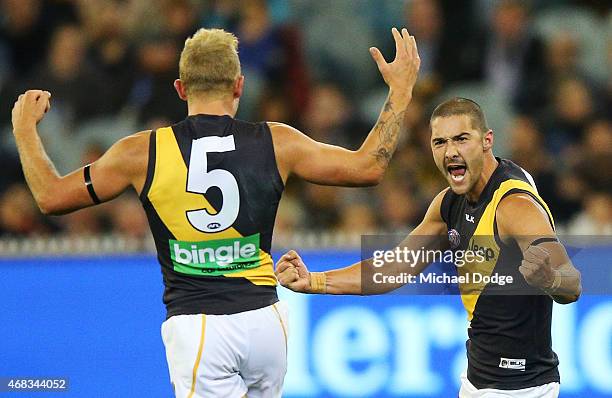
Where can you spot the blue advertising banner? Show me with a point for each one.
(95, 322)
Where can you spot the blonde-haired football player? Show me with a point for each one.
(210, 186)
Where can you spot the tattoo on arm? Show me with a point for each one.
(388, 127)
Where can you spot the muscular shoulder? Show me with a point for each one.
(432, 224)
(277, 124)
(440, 195)
(521, 214)
(136, 141)
(435, 208)
(434, 212)
(131, 153)
(281, 131)
(286, 141)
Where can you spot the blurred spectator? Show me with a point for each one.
(572, 111)
(153, 93)
(513, 58)
(424, 22)
(330, 118)
(529, 150)
(562, 55)
(558, 182)
(608, 95)
(337, 36)
(260, 47)
(180, 19)
(261, 53)
(413, 164)
(86, 222)
(596, 218)
(24, 34)
(128, 217)
(19, 215)
(78, 91)
(570, 193)
(357, 218)
(289, 217)
(92, 153)
(11, 169)
(274, 107)
(111, 52)
(561, 63)
(222, 14)
(400, 209)
(322, 205)
(587, 26)
(595, 161)
(271, 57)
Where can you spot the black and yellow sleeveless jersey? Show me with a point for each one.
(211, 195)
(509, 345)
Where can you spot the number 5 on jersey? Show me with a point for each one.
(200, 179)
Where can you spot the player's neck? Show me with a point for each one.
(222, 106)
(488, 168)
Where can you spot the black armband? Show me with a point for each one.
(543, 240)
(89, 185)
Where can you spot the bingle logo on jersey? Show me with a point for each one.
(215, 257)
(509, 363)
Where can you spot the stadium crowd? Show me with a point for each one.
(541, 69)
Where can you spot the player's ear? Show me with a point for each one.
(238, 87)
(487, 140)
(180, 89)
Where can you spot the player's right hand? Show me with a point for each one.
(292, 273)
(401, 74)
(30, 108)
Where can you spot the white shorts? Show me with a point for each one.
(228, 356)
(550, 390)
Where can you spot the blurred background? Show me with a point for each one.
(541, 70)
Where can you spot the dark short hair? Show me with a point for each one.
(462, 106)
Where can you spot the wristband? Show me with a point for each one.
(318, 282)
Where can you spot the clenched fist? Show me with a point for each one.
(536, 268)
(29, 109)
(292, 273)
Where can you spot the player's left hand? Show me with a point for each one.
(30, 108)
(536, 268)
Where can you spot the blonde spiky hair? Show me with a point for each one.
(209, 62)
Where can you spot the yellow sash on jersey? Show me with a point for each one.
(170, 199)
(484, 238)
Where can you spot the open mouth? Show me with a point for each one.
(457, 171)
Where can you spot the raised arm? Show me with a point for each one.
(293, 273)
(326, 164)
(124, 164)
(546, 264)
